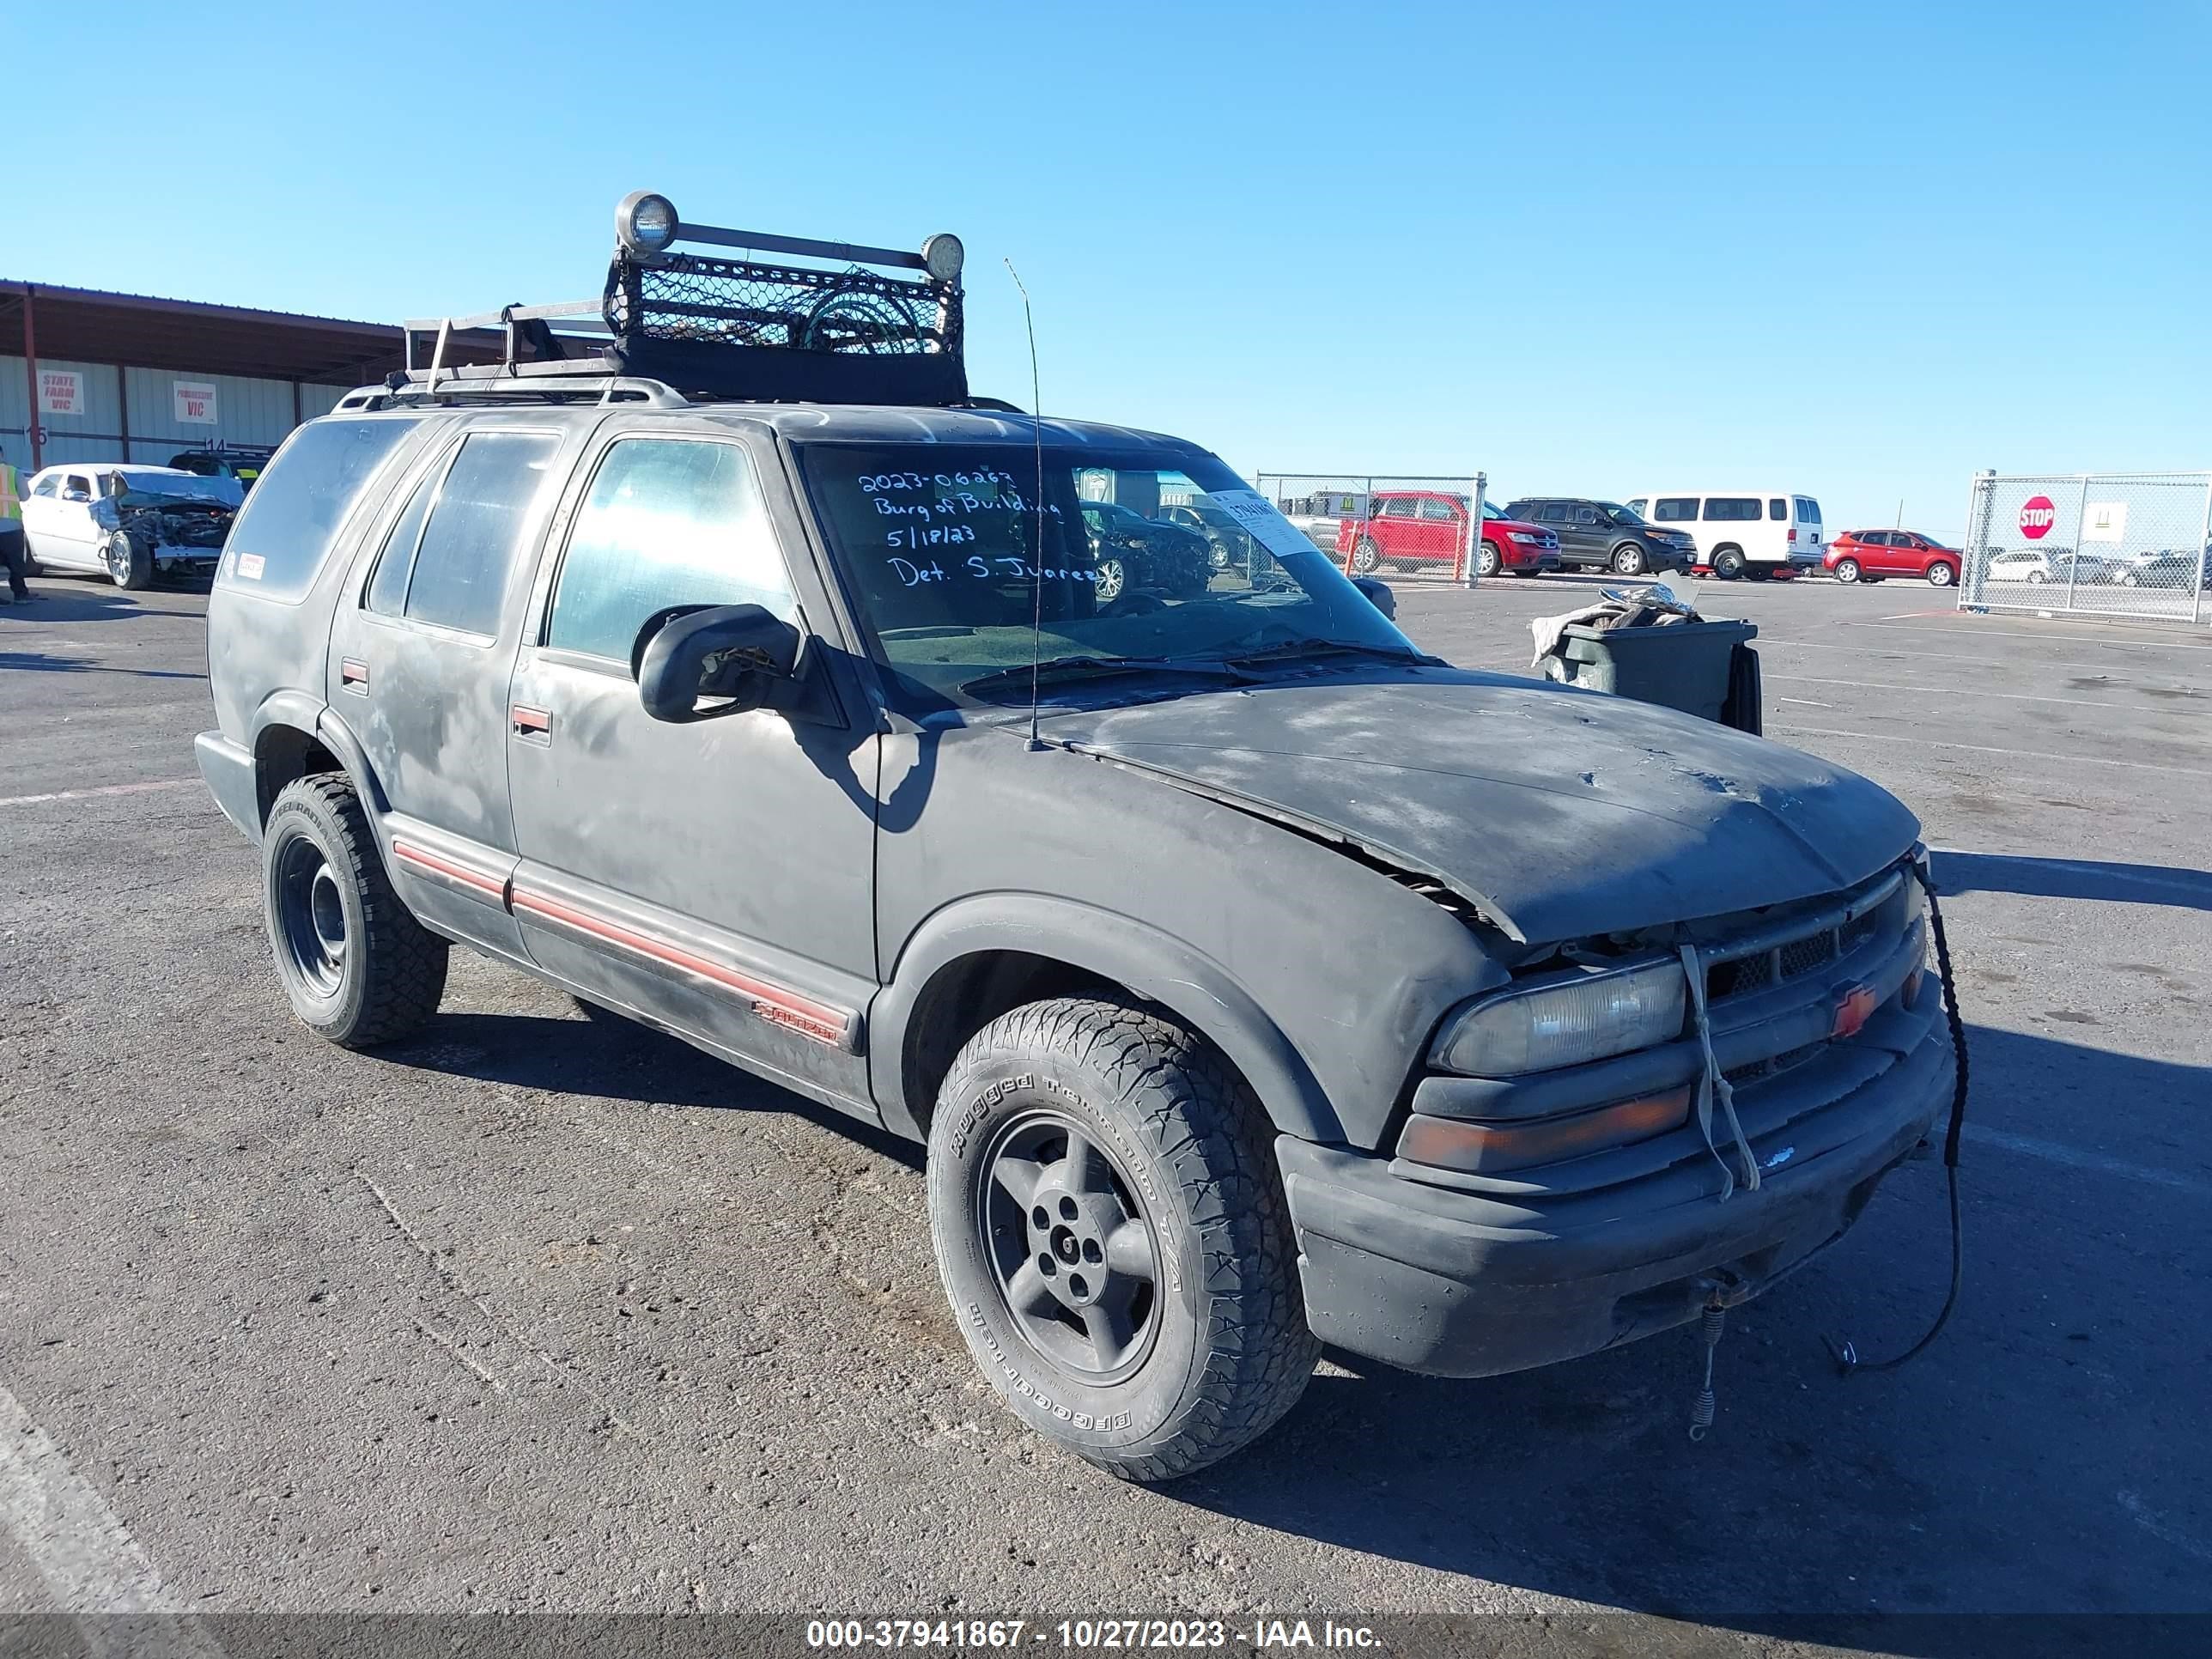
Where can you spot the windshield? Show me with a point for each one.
(1620, 514)
(961, 570)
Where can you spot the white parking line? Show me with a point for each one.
(1768, 640)
(2180, 643)
(2051, 1151)
(1986, 748)
(1951, 691)
(91, 1564)
(105, 789)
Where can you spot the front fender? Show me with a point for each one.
(1157, 966)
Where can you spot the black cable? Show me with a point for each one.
(1846, 1355)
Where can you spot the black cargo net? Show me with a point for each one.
(693, 298)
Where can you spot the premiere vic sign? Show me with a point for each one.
(2037, 515)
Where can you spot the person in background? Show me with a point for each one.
(13, 550)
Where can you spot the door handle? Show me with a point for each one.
(353, 674)
(536, 724)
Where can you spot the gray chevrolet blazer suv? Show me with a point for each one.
(1254, 980)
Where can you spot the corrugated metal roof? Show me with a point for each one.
(146, 331)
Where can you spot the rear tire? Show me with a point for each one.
(1728, 563)
(1111, 1229)
(1847, 570)
(1940, 574)
(357, 967)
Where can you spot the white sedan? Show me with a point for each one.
(127, 523)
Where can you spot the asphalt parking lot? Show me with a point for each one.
(520, 1316)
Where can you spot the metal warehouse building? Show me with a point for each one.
(92, 376)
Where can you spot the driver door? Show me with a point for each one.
(715, 878)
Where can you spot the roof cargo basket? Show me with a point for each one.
(707, 326)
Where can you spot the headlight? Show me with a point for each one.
(1522, 535)
(1565, 1022)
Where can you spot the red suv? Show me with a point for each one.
(1408, 527)
(1870, 554)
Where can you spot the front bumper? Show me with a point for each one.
(1547, 1265)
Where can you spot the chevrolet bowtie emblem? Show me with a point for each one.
(1853, 1009)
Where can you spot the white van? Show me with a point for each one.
(1741, 532)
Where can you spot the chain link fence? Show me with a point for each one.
(1331, 508)
(2108, 545)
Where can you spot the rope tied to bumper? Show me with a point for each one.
(1713, 1089)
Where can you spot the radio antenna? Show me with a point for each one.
(1036, 548)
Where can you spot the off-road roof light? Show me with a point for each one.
(942, 256)
(645, 223)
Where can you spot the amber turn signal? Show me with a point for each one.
(1490, 1148)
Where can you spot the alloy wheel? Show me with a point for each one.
(1071, 1245)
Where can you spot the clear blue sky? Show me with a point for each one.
(1860, 252)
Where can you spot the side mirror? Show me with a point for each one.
(1378, 595)
(734, 656)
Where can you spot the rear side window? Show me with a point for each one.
(1731, 509)
(1874, 537)
(300, 502)
(1675, 509)
(1778, 509)
(481, 514)
(668, 521)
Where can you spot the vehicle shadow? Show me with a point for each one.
(2031, 1461)
(1821, 1498)
(2073, 878)
(62, 599)
(41, 662)
(616, 1061)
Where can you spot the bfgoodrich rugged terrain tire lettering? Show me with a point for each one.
(389, 972)
(1229, 1351)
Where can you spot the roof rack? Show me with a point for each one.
(674, 326)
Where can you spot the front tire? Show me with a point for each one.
(1847, 570)
(1111, 1230)
(357, 967)
(1113, 577)
(1940, 574)
(1728, 563)
(130, 562)
(1628, 561)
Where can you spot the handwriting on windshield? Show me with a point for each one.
(915, 574)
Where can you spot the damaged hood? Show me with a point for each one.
(1557, 813)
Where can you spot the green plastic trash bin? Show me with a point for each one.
(1692, 666)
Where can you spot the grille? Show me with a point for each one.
(1793, 958)
(1802, 955)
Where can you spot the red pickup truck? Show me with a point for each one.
(1411, 527)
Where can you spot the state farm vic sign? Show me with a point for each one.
(61, 392)
(2037, 515)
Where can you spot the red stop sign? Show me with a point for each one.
(2035, 517)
